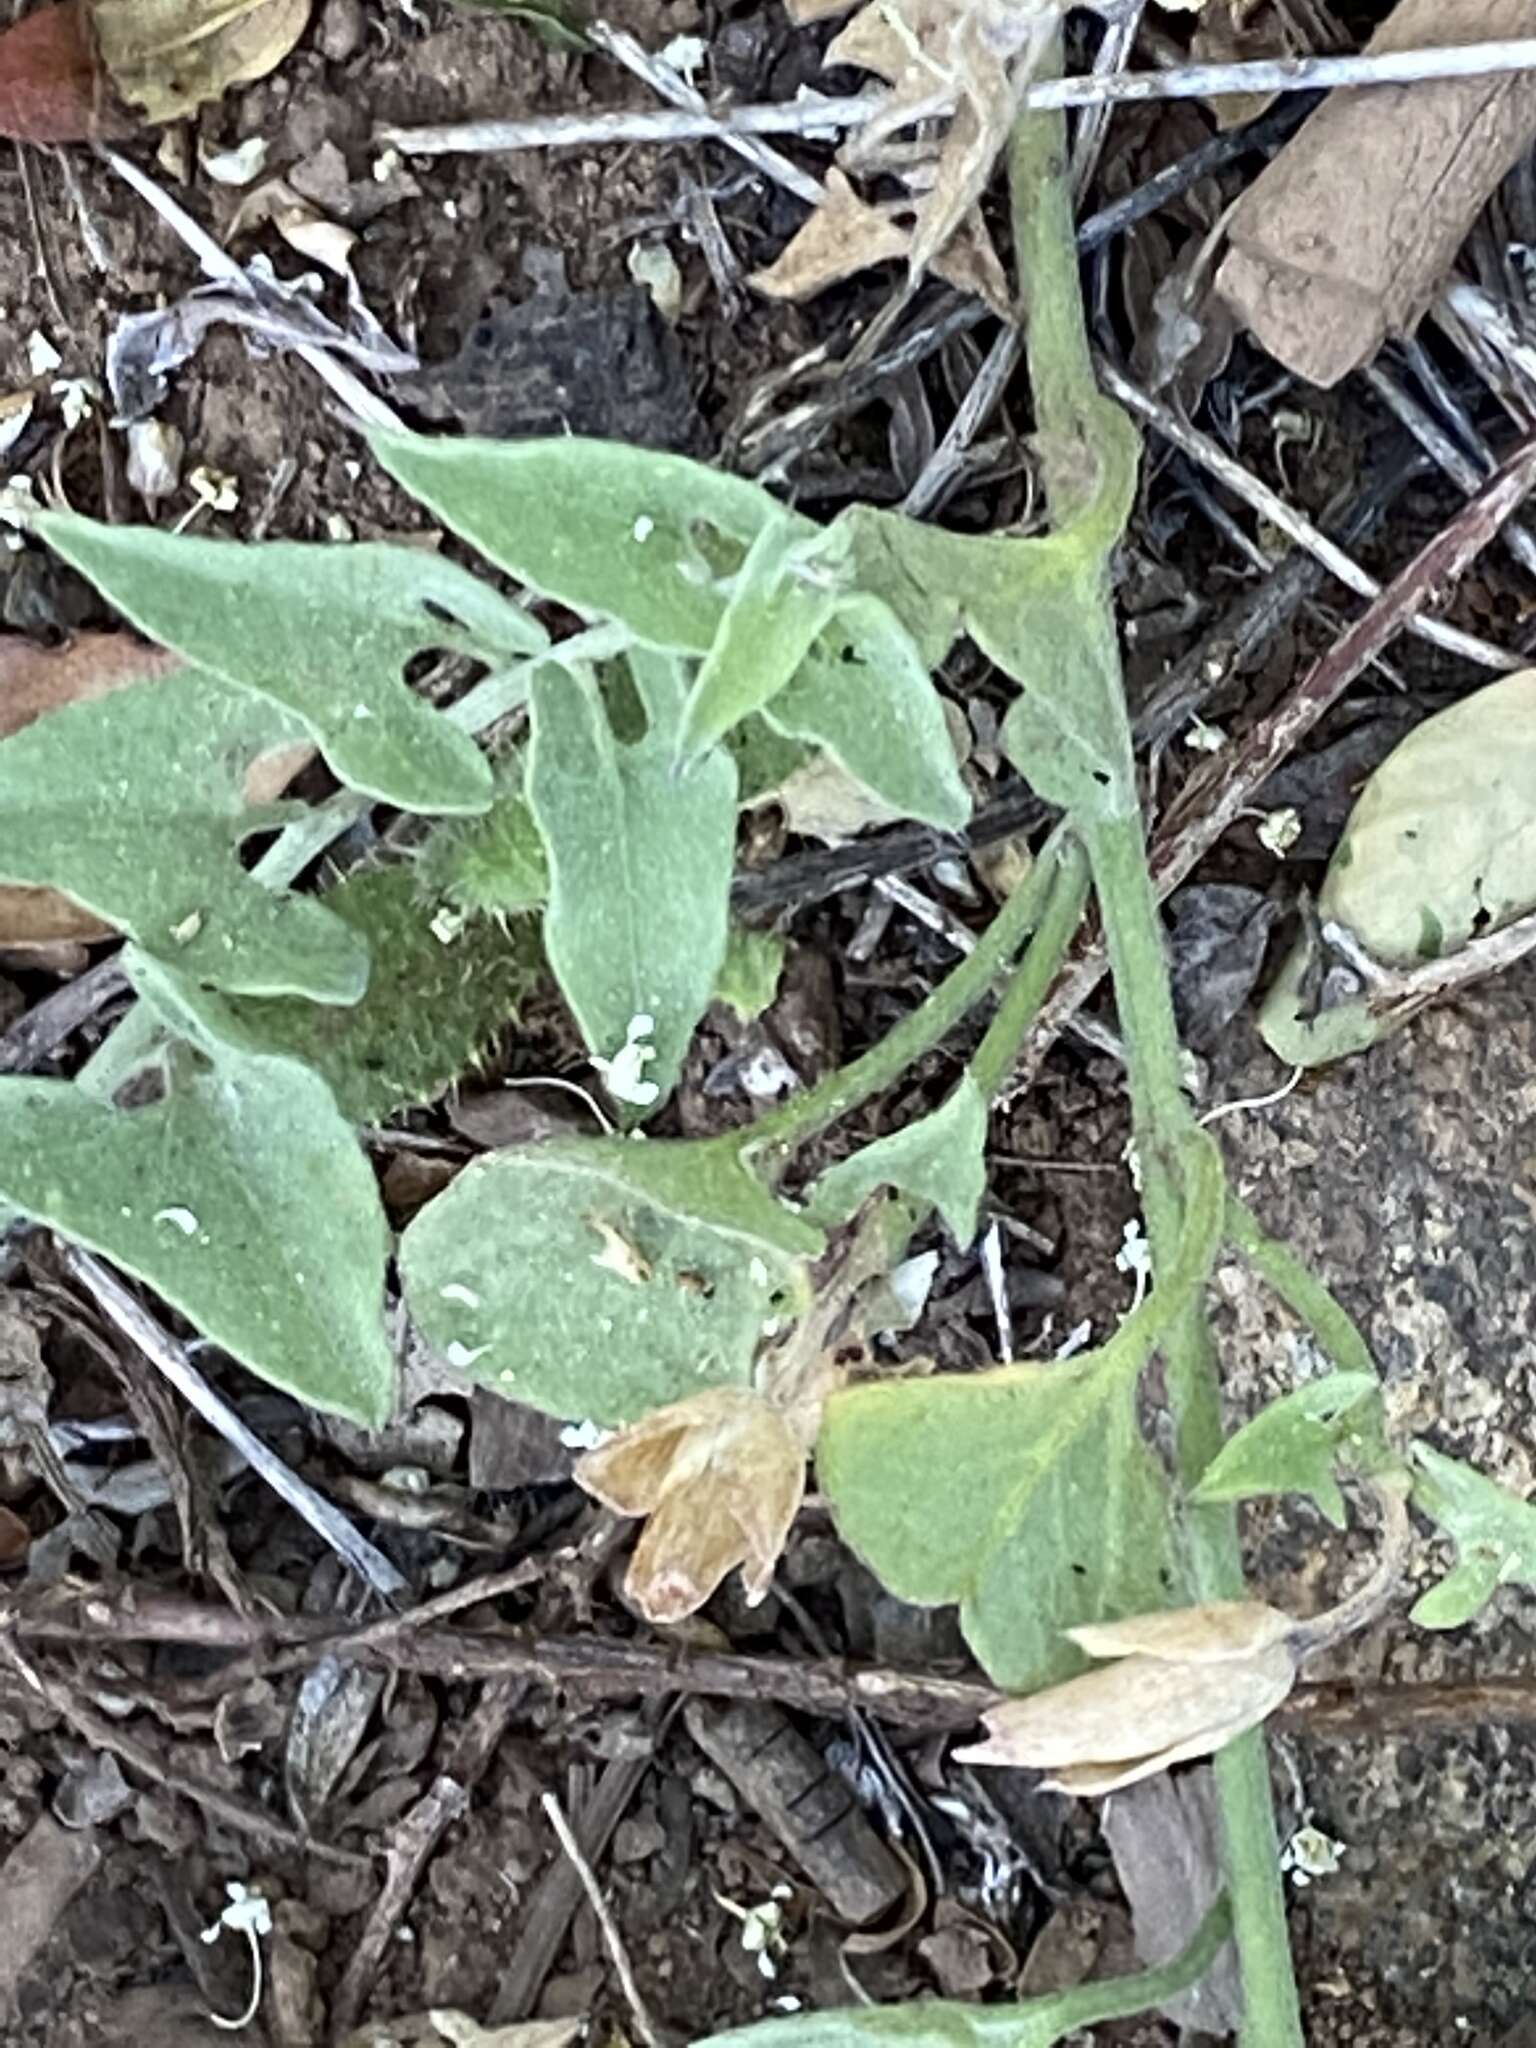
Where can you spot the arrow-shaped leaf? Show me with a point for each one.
(325, 631)
(136, 806)
(241, 1197)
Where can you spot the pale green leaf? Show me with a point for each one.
(135, 806)
(655, 541)
(1441, 844)
(1494, 1532)
(952, 2023)
(608, 530)
(749, 974)
(640, 861)
(939, 1158)
(1036, 609)
(324, 630)
(1298, 1444)
(241, 1198)
(601, 1278)
(1025, 1494)
(864, 693)
(441, 990)
(770, 623)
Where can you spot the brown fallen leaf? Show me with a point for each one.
(15, 1538)
(843, 236)
(166, 58)
(1242, 32)
(846, 235)
(968, 64)
(36, 679)
(1183, 1684)
(721, 1476)
(49, 87)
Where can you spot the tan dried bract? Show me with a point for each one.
(720, 1477)
(1182, 1685)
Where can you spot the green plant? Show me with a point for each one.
(725, 641)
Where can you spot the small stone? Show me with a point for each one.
(341, 31)
(638, 1839)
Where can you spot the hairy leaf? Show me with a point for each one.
(749, 974)
(439, 992)
(655, 541)
(605, 1277)
(939, 1158)
(1494, 1532)
(1035, 608)
(1439, 849)
(609, 530)
(494, 865)
(324, 630)
(136, 807)
(1441, 845)
(771, 621)
(1297, 1444)
(241, 1197)
(864, 693)
(640, 861)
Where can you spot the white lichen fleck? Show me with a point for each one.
(183, 1219)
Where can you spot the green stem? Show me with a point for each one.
(1067, 408)
(774, 1137)
(993, 1060)
(1302, 1292)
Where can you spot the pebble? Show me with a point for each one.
(341, 31)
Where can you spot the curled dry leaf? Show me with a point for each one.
(721, 1477)
(969, 62)
(166, 58)
(843, 236)
(1183, 1684)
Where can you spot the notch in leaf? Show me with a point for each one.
(324, 631)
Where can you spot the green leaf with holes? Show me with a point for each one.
(610, 531)
(324, 631)
(241, 1197)
(605, 1277)
(657, 542)
(136, 806)
(1494, 1532)
(939, 1158)
(1301, 1442)
(640, 860)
